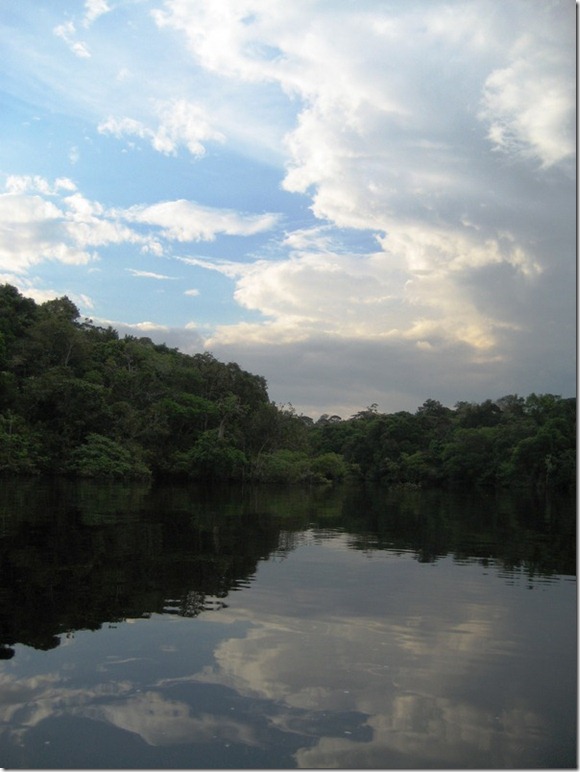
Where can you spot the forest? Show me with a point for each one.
(76, 399)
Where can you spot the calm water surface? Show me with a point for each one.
(179, 627)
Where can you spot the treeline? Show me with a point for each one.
(75, 398)
(508, 442)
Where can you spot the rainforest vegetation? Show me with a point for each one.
(77, 399)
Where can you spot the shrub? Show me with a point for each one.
(100, 456)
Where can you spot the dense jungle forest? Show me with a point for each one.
(77, 399)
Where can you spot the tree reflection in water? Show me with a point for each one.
(77, 555)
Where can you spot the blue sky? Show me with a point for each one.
(368, 202)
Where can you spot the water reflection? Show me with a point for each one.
(266, 629)
(423, 678)
(74, 556)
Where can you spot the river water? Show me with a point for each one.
(173, 627)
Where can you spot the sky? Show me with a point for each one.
(368, 202)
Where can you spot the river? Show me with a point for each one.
(168, 627)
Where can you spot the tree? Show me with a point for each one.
(100, 456)
(330, 466)
(17, 313)
(511, 406)
(470, 457)
(59, 308)
(53, 340)
(470, 415)
(212, 458)
(543, 460)
(541, 407)
(435, 420)
(19, 446)
(63, 409)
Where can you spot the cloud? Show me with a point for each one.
(433, 144)
(146, 326)
(332, 374)
(67, 32)
(187, 339)
(180, 123)
(34, 699)
(437, 250)
(365, 77)
(18, 184)
(529, 104)
(41, 221)
(149, 275)
(400, 112)
(94, 9)
(414, 289)
(185, 221)
(375, 146)
(160, 721)
(452, 725)
(402, 675)
(156, 718)
(530, 111)
(89, 224)
(33, 230)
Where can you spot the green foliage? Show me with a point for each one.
(100, 456)
(17, 314)
(19, 447)
(419, 468)
(75, 398)
(544, 459)
(282, 466)
(469, 456)
(472, 415)
(330, 466)
(296, 466)
(213, 458)
(511, 442)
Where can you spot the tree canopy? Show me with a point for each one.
(77, 399)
